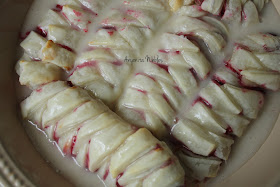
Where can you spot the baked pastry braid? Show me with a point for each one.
(255, 61)
(55, 41)
(118, 40)
(105, 67)
(218, 112)
(159, 88)
(84, 128)
(103, 71)
(231, 11)
(228, 104)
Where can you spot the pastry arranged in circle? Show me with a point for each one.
(150, 62)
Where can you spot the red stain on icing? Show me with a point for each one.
(194, 73)
(166, 98)
(58, 8)
(229, 66)
(38, 30)
(89, 10)
(198, 8)
(56, 139)
(213, 153)
(109, 28)
(163, 50)
(75, 110)
(127, 20)
(141, 113)
(77, 13)
(122, 29)
(219, 81)
(176, 120)
(178, 89)
(23, 36)
(41, 31)
(39, 90)
(117, 180)
(202, 100)
(87, 64)
(142, 91)
(199, 2)
(146, 76)
(263, 85)
(240, 46)
(244, 15)
(66, 47)
(106, 174)
(134, 13)
(66, 17)
(73, 143)
(117, 63)
(110, 32)
(87, 156)
(75, 27)
(229, 130)
(158, 147)
(167, 163)
(162, 66)
(87, 161)
(267, 49)
(186, 35)
(83, 65)
(166, 51)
